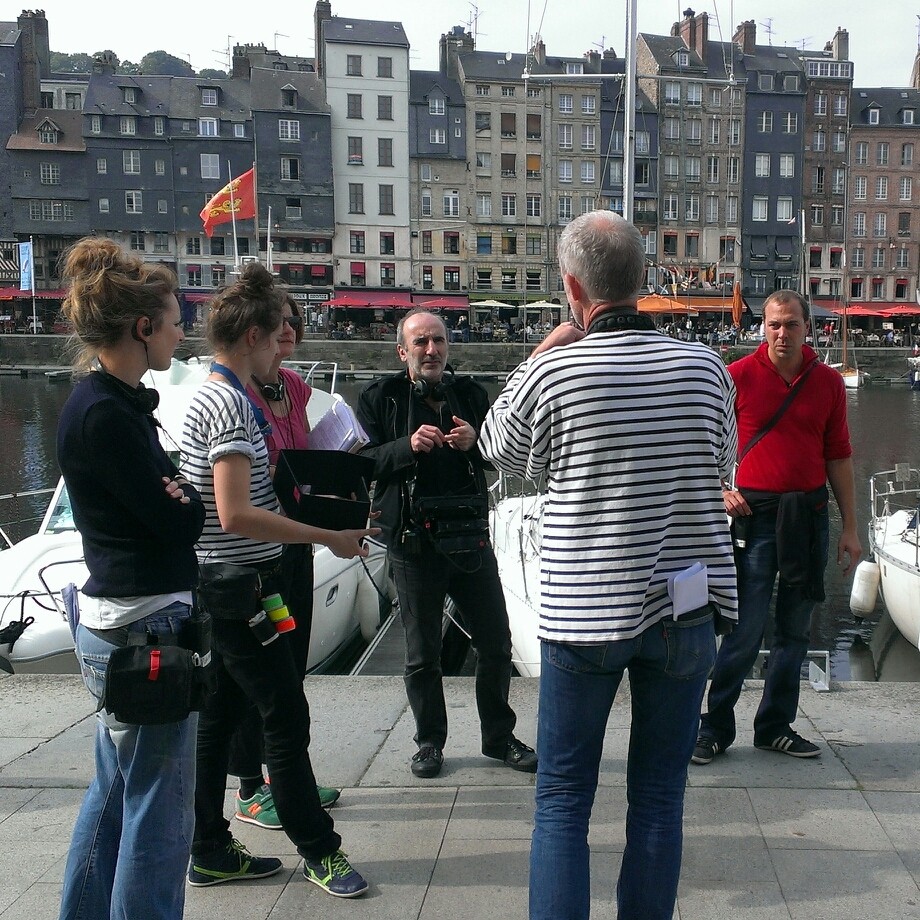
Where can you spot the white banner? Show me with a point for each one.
(25, 266)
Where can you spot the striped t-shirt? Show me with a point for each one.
(633, 432)
(219, 422)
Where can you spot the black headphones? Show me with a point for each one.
(272, 391)
(147, 329)
(144, 399)
(438, 391)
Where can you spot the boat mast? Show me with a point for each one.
(629, 147)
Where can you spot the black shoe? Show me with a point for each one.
(518, 756)
(230, 865)
(706, 749)
(427, 762)
(790, 743)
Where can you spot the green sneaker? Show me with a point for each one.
(229, 865)
(334, 874)
(327, 797)
(259, 810)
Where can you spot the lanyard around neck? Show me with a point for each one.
(217, 368)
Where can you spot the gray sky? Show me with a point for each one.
(883, 34)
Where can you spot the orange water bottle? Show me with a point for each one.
(278, 613)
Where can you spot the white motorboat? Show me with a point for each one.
(515, 526)
(34, 570)
(913, 373)
(894, 497)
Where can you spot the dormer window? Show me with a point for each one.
(209, 96)
(436, 106)
(907, 117)
(682, 58)
(574, 67)
(289, 97)
(873, 116)
(130, 94)
(48, 134)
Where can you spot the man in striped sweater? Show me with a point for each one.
(633, 432)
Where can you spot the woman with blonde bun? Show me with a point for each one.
(139, 521)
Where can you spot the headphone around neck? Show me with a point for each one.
(271, 391)
(438, 391)
(144, 399)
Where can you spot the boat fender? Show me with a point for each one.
(367, 607)
(864, 595)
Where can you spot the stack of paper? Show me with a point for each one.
(689, 590)
(338, 429)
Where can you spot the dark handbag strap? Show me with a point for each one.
(778, 414)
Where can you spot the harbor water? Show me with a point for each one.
(884, 425)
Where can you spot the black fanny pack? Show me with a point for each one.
(229, 592)
(158, 679)
(455, 524)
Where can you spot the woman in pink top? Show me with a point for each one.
(283, 396)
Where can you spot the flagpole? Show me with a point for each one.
(268, 237)
(34, 314)
(255, 204)
(236, 245)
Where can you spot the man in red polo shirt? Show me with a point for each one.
(778, 504)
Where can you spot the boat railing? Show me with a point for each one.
(310, 370)
(891, 491)
(16, 524)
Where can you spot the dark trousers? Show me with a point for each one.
(247, 753)
(246, 670)
(422, 583)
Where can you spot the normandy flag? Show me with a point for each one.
(236, 200)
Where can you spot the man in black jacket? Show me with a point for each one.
(424, 426)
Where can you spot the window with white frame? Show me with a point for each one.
(715, 130)
(643, 142)
(588, 137)
(858, 257)
(695, 94)
(671, 205)
(671, 167)
(873, 116)
(437, 136)
(905, 188)
(103, 206)
(820, 103)
(509, 204)
(483, 204)
(127, 125)
(426, 202)
(882, 150)
(452, 203)
(859, 223)
(734, 132)
(102, 166)
(210, 166)
(880, 225)
(534, 205)
(672, 92)
(907, 154)
(692, 207)
(761, 165)
(734, 170)
(672, 128)
(587, 172)
(860, 188)
(588, 105)
(436, 107)
(209, 97)
(692, 168)
(837, 215)
(881, 188)
(839, 181)
(840, 104)
(712, 170)
(162, 206)
(134, 202)
(902, 258)
(839, 141)
(862, 153)
(483, 162)
(819, 140)
(159, 126)
(759, 208)
(616, 172)
(566, 103)
(290, 168)
(694, 130)
(95, 124)
(790, 123)
(765, 122)
(50, 174)
(565, 137)
(878, 257)
(565, 207)
(787, 165)
(239, 129)
(784, 208)
(288, 129)
(207, 127)
(731, 210)
(712, 209)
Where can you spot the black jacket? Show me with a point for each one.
(383, 410)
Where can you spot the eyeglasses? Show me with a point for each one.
(295, 322)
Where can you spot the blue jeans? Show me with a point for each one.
(131, 842)
(668, 665)
(757, 574)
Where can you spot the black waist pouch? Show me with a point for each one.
(154, 680)
(455, 524)
(229, 592)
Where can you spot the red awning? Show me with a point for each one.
(900, 309)
(196, 297)
(193, 268)
(17, 293)
(357, 268)
(363, 300)
(857, 309)
(446, 302)
(318, 270)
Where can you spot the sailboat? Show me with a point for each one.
(853, 377)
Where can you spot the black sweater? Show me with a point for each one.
(136, 539)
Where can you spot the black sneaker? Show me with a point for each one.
(705, 750)
(427, 762)
(229, 865)
(517, 755)
(792, 744)
(335, 876)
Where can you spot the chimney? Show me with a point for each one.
(242, 66)
(36, 56)
(105, 62)
(321, 13)
(450, 47)
(915, 72)
(610, 54)
(538, 52)
(745, 36)
(702, 35)
(841, 46)
(593, 61)
(687, 29)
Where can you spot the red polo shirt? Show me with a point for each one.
(791, 457)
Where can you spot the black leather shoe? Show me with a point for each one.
(518, 756)
(427, 762)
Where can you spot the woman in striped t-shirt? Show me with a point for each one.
(227, 460)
